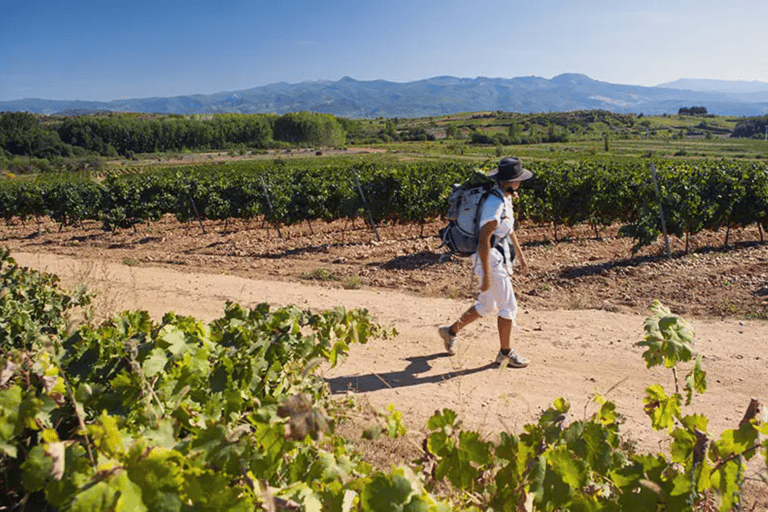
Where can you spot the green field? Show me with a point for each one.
(479, 137)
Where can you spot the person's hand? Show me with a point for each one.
(485, 285)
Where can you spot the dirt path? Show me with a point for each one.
(574, 353)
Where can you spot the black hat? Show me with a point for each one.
(510, 169)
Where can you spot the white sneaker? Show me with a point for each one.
(512, 360)
(449, 340)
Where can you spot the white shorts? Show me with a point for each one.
(500, 296)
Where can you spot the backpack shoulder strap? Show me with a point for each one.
(479, 212)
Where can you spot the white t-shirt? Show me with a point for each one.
(500, 210)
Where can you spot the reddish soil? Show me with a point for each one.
(576, 271)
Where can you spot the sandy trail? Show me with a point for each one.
(574, 354)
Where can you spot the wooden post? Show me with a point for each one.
(194, 207)
(661, 211)
(269, 204)
(365, 203)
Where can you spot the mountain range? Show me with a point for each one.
(441, 95)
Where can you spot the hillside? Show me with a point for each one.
(435, 96)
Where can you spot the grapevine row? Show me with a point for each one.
(694, 196)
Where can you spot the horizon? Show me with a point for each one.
(700, 80)
(130, 49)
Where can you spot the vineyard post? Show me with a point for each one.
(269, 205)
(194, 207)
(661, 210)
(365, 203)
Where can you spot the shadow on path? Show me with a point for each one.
(409, 376)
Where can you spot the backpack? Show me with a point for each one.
(465, 205)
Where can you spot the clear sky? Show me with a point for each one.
(116, 49)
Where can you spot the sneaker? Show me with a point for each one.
(449, 340)
(512, 360)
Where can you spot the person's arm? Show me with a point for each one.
(484, 252)
(519, 253)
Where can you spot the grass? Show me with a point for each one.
(353, 283)
(758, 315)
(320, 274)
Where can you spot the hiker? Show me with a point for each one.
(493, 264)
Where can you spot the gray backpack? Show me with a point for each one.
(465, 205)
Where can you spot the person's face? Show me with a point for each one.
(510, 186)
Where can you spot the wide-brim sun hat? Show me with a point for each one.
(510, 169)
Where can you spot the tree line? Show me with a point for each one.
(24, 134)
(692, 111)
(30, 142)
(752, 127)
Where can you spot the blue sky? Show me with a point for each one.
(116, 49)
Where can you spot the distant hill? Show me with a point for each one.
(723, 86)
(439, 96)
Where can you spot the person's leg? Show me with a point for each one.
(506, 321)
(505, 333)
(506, 355)
(484, 304)
(464, 320)
(449, 332)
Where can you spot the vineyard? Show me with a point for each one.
(693, 196)
(131, 413)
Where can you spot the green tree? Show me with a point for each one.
(309, 129)
(23, 134)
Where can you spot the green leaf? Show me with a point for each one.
(607, 414)
(154, 363)
(595, 444)
(439, 444)
(696, 380)
(573, 471)
(473, 448)
(662, 409)
(733, 442)
(213, 491)
(10, 402)
(159, 476)
(634, 480)
(727, 480)
(326, 468)
(161, 434)
(561, 405)
(29, 410)
(117, 493)
(695, 421)
(106, 436)
(173, 339)
(37, 469)
(442, 419)
(668, 338)
(387, 494)
(681, 449)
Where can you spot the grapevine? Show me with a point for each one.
(694, 196)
